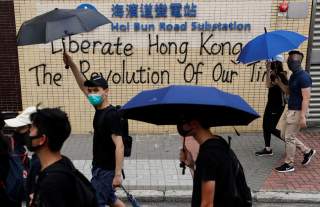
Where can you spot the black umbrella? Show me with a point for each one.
(59, 23)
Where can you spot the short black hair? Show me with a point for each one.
(54, 123)
(296, 52)
(203, 123)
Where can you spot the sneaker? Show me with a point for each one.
(307, 157)
(285, 168)
(264, 152)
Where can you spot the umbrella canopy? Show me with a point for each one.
(59, 23)
(270, 44)
(173, 104)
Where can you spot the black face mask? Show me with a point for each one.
(182, 131)
(29, 143)
(294, 65)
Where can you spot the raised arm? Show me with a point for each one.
(76, 73)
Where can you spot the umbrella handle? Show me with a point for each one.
(182, 164)
(64, 50)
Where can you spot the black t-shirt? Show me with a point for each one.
(55, 189)
(105, 123)
(275, 94)
(213, 164)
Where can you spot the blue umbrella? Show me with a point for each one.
(270, 44)
(130, 198)
(173, 104)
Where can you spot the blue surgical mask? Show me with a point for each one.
(95, 99)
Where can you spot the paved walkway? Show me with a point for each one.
(154, 163)
(304, 179)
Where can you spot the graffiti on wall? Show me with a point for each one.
(191, 71)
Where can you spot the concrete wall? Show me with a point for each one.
(151, 69)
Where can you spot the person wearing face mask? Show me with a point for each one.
(108, 149)
(275, 104)
(299, 90)
(212, 171)
(21, 123)
(55, 187)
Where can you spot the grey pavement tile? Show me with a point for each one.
(156, 156)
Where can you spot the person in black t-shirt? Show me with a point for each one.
(275, 104)
(212, 170)
(108, 149)
(49, 129)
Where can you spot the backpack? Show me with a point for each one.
(15, 182)
(85, 193)
(126, 138)
(240, 191)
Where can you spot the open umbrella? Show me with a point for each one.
(57, 24)
(268, 45)
(173, 104)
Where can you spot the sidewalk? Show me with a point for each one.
(153, 173)
(304, 179)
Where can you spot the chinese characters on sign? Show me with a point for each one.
(158, 10)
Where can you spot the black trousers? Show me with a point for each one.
(270, 120)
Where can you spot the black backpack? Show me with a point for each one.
(240, 190)
(126, 138)
(85, 195)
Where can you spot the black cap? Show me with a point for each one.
(96, 81)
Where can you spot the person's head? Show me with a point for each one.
(190, 127)
(49, 130)
(294, 60)
(98, 90)
(22, 122)
(277, 66)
